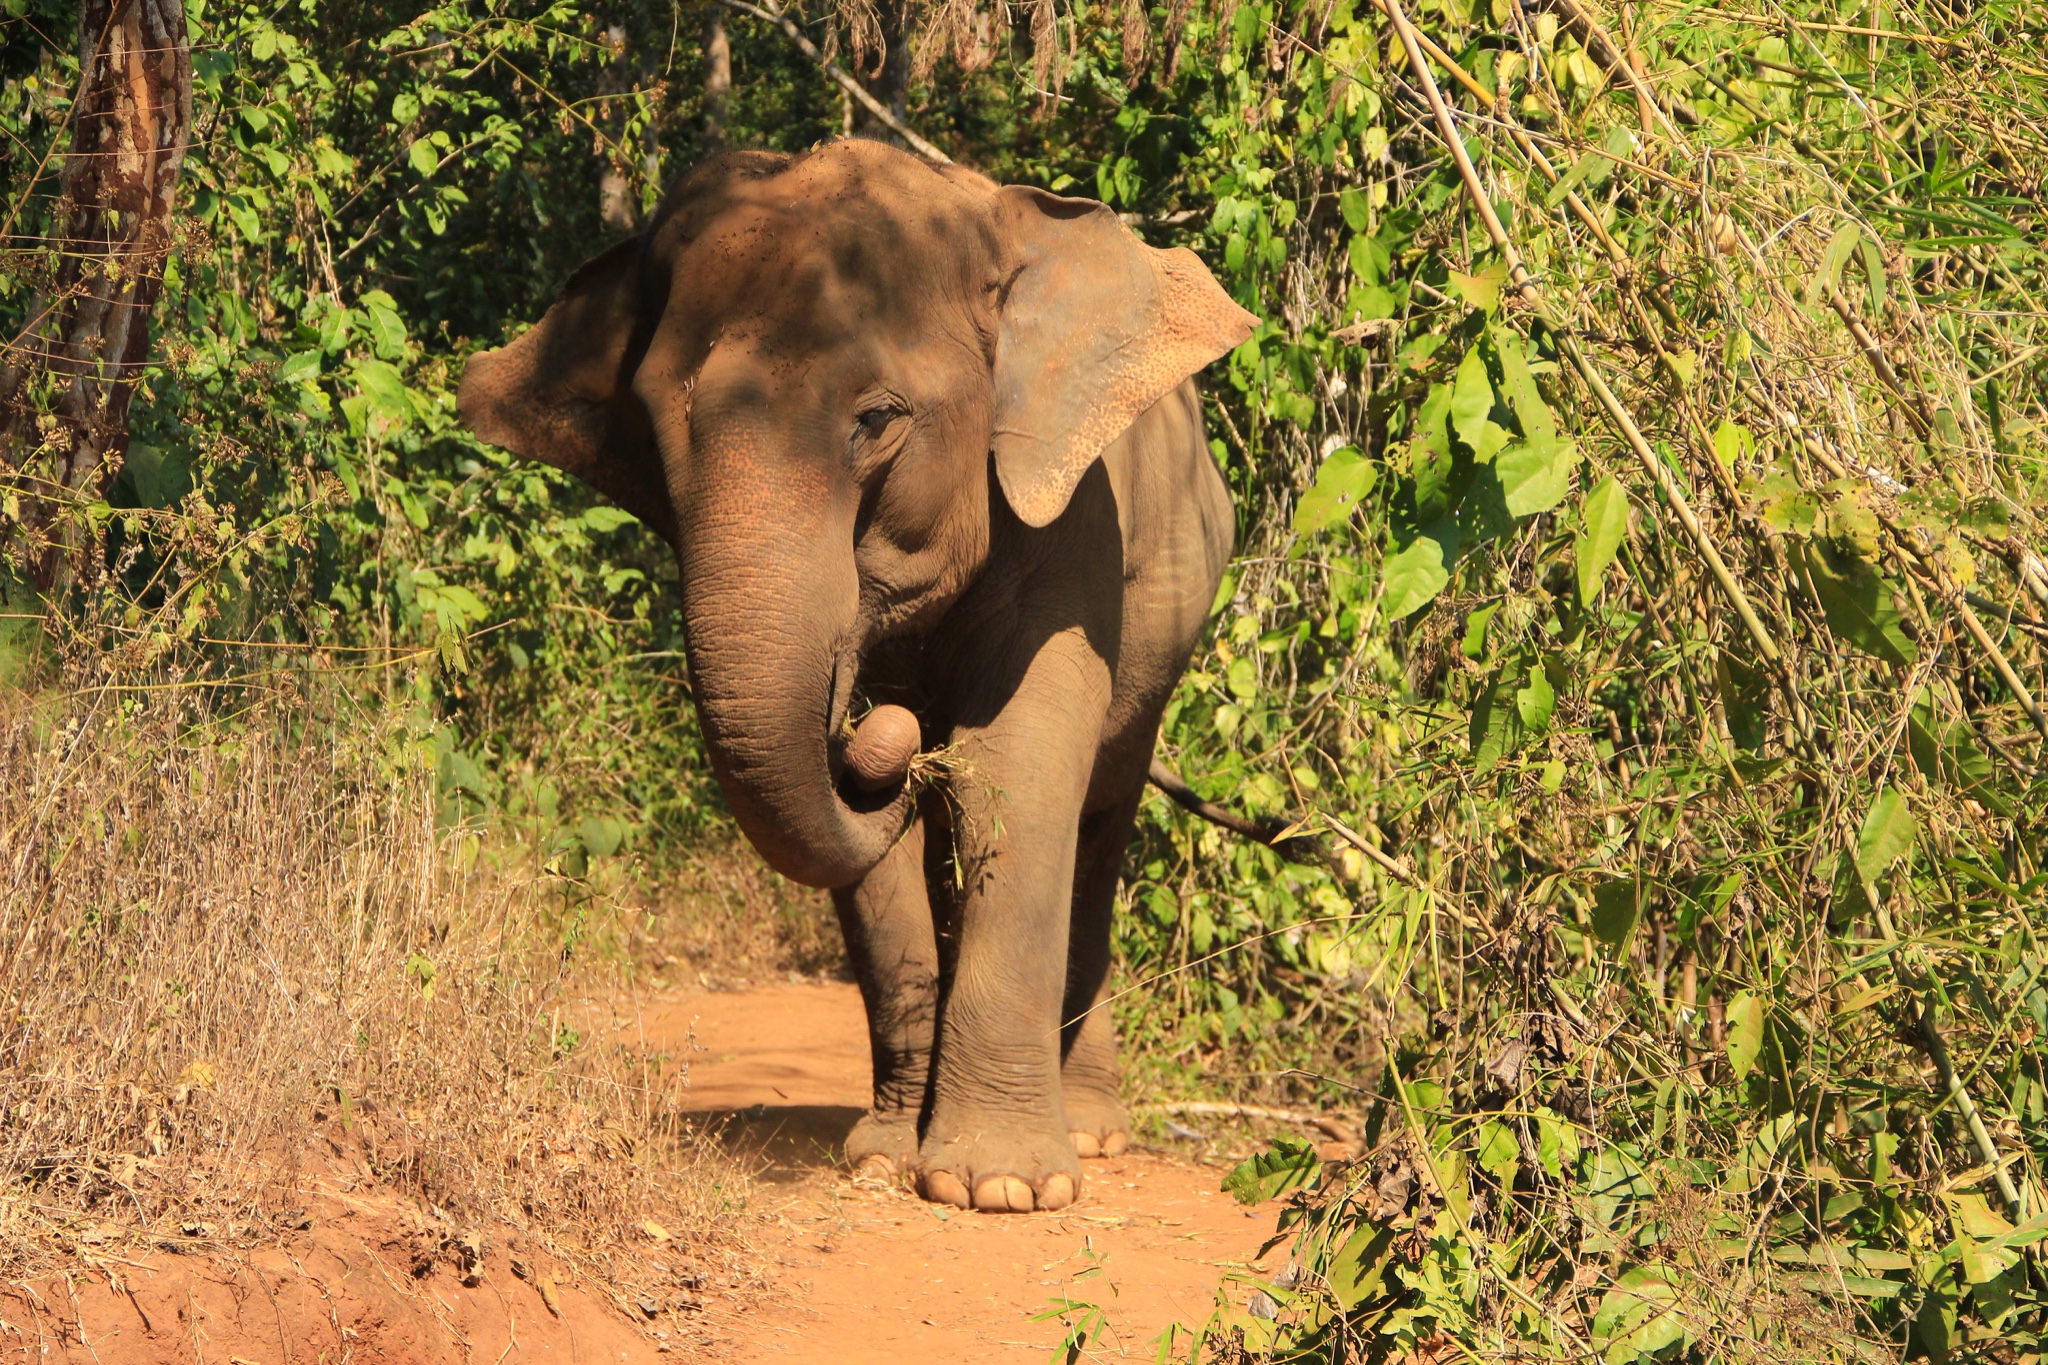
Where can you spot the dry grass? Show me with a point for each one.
(721, 919)
(218, 936)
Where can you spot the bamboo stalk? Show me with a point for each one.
(1568, 343)
(1937, 1052)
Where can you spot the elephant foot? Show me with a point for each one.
(1096, 1124)
(883, 1147)
(998, 1172)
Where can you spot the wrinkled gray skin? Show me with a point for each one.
(919, 440)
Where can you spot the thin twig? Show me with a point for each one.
(847, 83)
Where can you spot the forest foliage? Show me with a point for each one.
(1640, 594)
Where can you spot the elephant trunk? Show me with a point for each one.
(770, 605)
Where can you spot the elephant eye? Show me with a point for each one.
(872, 422)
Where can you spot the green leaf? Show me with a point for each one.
(1639, 1318)
(1745, 1022)
(1614, 1178)
(1481, 291)
(244, 215)
(1471, 397)
(1732, 444)
(1535, 475)
(302, 368)
(1873, 273)
(1857, 603)
(1346, 477)
(387, 329)
(1617, 905)
(1357, 213)
(1557, 1142)
(384, 389)
(1745, 700)
(1605, 523)
(1846, 239)
(421, 157)
(1949, 756)
(1535, 702)
(1539, 423)
(1286, 1165)
(1474, 644)
(601, 835)
(1495, 729)
(1887, 834)
(1369, 257)
(1535, 478)
(1935, 1325)
(1587, 167)
(1500, 1152)
(1414, 574)
(603, 518)
(1359, 1271)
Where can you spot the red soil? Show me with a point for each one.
(865, 1274)
(881, 1276)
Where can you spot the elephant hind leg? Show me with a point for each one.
(1096, 1122)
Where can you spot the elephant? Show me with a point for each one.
(948, 529)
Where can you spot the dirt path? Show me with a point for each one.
(874, 1275)
(857, 1273)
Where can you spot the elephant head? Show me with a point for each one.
(802, 375)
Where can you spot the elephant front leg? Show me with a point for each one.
(887, 921)
(997, 1138)
(1096, 1122)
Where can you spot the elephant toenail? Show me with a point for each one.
(943, 1187)
(1116, 1144)
(1085, 1145)
(875, 1167)
(1057, 1193)
(1002, 1194)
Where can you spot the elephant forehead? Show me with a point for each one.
(839, 253)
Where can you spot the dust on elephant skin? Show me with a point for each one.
(947, 525)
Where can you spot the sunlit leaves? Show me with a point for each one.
(1745, 1024)
(1639, 1317)
(1283, 1167)
(1359, 1271)
(1416, 572)
(1345, 477)
(386, 328)
(1733, 444)
(1603, 525)
(1887, 833)
(1857, 602)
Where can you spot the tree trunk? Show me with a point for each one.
(717, 79)
(889, 79)
(614, 187)
(89, 335)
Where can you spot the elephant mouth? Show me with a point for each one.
(872, 743)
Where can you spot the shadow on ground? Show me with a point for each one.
(784, 1142)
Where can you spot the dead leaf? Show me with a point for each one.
(546, 1285)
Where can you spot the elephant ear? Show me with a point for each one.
(1096, 327)
(562, 393)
